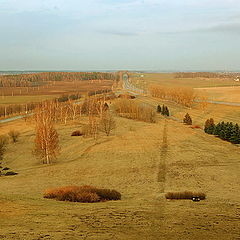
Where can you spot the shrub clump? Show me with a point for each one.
(185, 195)
(3, 143)
(84, 194)
(77, 133)
(14, 135)
(10, 173)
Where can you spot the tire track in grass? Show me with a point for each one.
(161, 176)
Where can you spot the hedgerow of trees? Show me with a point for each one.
(26, 80)
(181, 95)
(133, 110)
(225, 130)
(203, 75)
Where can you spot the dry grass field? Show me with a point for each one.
(141, 160)
(32, 94)
(226, 94)
(168, 79)
(7, 100)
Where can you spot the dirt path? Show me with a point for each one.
(161, 178)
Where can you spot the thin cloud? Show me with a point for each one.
(118, 33)
(231, 28)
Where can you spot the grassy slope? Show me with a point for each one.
(139, 162)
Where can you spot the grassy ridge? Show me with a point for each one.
(129, 162)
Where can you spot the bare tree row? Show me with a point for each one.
(182, 95)
(133, 110)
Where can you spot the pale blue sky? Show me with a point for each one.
(120, 34)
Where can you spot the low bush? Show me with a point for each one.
(14, 135)
(195, 126)
(5, 169)
(185, 195)
(3, 143)
(84, 194)
(10, 173)
(77, 133)
(107, 194)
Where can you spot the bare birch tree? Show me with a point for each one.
(46, 142)
(107, 123)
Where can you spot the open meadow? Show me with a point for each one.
(19, 95)
(142, 161)
(120, 120)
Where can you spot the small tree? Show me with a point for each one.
(159, 109)
(14, 135)
(46, 142)
(3, 143)
(167, 112)
(210, 126)
(187, 119)
(107, 123)
(163, 110)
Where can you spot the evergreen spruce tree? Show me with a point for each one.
(159, 109)
(163, 110)
(235, 137)
(222, 134)
(217, 129)
(167, 113)
(229, 131)
(187, 119)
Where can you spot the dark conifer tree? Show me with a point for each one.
(167, 112)
(187, 119)
(163, 110)
(159, 109)
(217, 129)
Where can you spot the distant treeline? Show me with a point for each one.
(26, 80)
(204, 75)
(181, 95)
